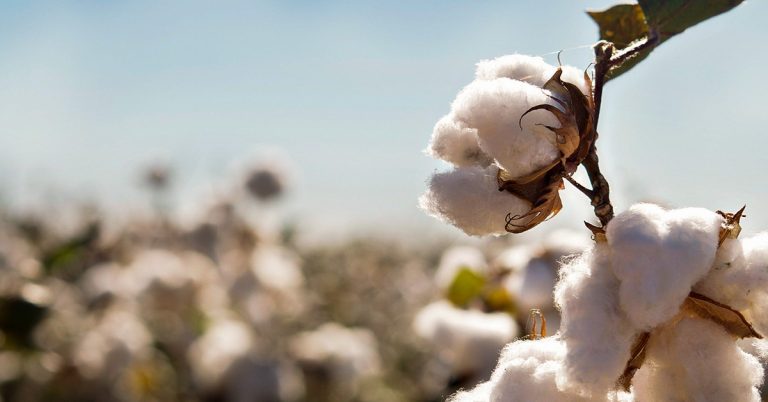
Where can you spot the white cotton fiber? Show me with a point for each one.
(469, 340)
(455, 259)
(739, 278)
(594, 330)
(453, 142)
(494, 109)
(469, 199)
(526, 372)
(531, 69)
(696, 360)
(658, 256)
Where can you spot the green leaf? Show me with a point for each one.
(621, 24)
(625, 23)
(466, 285)
(671, 17)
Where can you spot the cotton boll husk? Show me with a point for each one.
(696, 360)
(596, 333)
(453, 142)
(469, 199)
(658, 256)
(494, 109)
(456, 258)
(531, 69)
(469, 340)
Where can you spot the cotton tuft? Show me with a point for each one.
(469, 199)
(454, 142)
(658, 256)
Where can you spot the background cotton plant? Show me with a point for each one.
(636, 325)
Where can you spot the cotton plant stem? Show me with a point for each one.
(606, 59)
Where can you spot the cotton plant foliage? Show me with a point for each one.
(511, 135)
(636, 286)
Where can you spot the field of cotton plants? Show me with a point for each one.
(245, 291)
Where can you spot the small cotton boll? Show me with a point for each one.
(537, 284)
(469, 199)
(596, 333)
(696, 360)
(277, 268)
(658, 256)
(494, 109)
(348, 354)
(456, 258)
(468, 340)
(455, 143)
(223, 343)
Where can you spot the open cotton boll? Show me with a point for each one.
(277, 268)
(346, 354)
(469, 199)
(494, 109)
(455, 259)
(531, 69)
(596, 333)
(696, 360)
(225, 342)
(453, 142)
(658, 256)
(468, 340)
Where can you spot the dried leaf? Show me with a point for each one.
(730, 319)
(636, 360)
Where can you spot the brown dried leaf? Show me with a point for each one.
(636, 360)
(548, 204)
(730, 319)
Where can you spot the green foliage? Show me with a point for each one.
(466, 286)
(624, 24)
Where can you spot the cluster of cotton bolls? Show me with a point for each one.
(485, 305)
(212, 307)
(634, 289)
(486, 131)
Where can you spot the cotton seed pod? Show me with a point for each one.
(535, 131)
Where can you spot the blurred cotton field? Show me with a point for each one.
(224, 304)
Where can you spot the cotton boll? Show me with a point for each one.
(211, 356)
(469, 199)
(494, 109)
(696, 360)
(347, 355)
(658, 256)
(468, 340)
(455, 259)
(596, 333)
(277, 268)
(453, 142)
(538, 282)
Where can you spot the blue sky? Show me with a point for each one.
(92, 90)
